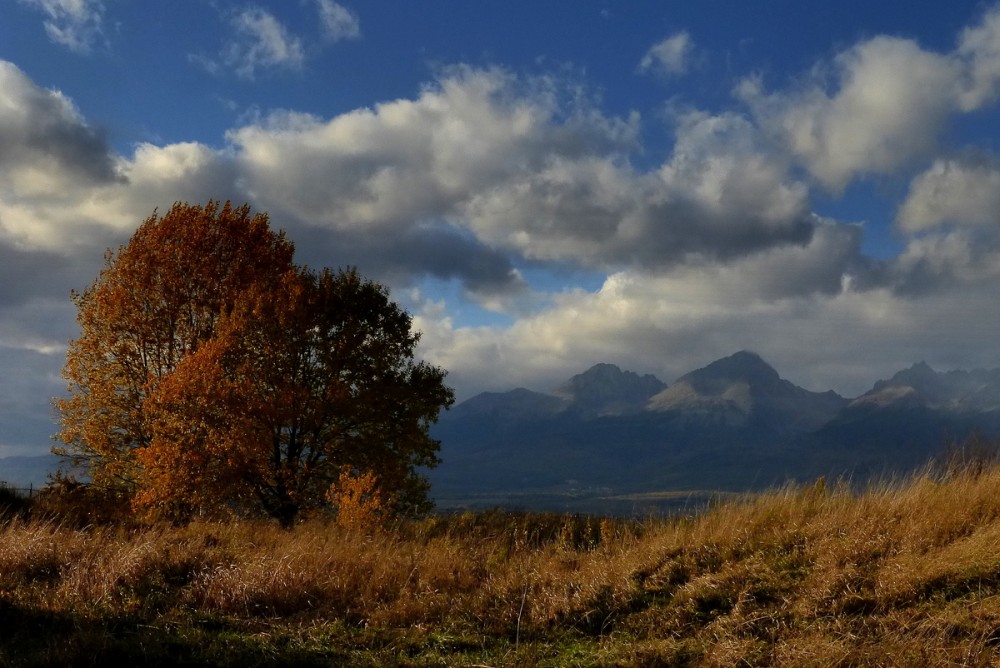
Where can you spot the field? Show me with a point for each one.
(902, 574)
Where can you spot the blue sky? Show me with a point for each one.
(543, 185)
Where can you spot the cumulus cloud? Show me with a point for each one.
(795, 305)
(482, 174)
(944, 263)
(44, 138)
(719, 195)
(734, 190)
(671, 56)
(887, 107)
(960, 192)
(482, 166)
(338, 22)
(881, 105)
(979, 53)
(412, 159)
(952, 214)
(51, 159)
(413, 162)
(527, 170)
(75, 24)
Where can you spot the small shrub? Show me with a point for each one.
(78, 505)
(360, 503)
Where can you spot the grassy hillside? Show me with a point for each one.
(900, 575)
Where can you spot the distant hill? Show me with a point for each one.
(733, 425)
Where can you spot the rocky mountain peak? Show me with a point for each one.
(605, 389)
(919, 376)
(922, 386)
(919, 385)
(735, 389)
(743, 366)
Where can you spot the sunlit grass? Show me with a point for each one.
(905, 574)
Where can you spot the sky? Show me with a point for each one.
(542, 185)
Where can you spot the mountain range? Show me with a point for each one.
(608, 438)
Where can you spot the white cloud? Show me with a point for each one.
(792, 304)
(979, 51)
(671, 56)
(75, 24)
(888, 106)
(63, 189)
(260, 42)
(950, 262)
(722, 163)
(719, 194)
(338, 22)
(796, 306)
(526, 168)
(412, 160)
(481, 166)
(44, 138)
(882, 105)
(713, 250)
(51, 159)
(953, 191)
(473, 151)
(407, 172)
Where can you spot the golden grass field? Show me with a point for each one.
(903, 574)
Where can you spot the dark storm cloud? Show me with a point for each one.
(40, 129)
(439, 251)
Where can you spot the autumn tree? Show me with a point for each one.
(211, 371)
(299, 384)
(157, 299)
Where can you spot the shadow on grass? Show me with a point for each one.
(31, 637)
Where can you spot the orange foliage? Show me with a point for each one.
(249, 389)
(359, 502)
(156, 301)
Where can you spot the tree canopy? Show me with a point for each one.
(213, 372)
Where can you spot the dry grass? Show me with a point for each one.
(900, 575)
